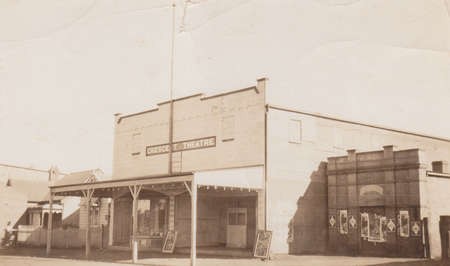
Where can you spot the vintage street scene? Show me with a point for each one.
(240, 132)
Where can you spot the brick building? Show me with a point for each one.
(380, 203)
(246, 165)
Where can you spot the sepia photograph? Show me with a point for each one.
(225, 132)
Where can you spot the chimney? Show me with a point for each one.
(351, 155)
(388, 151)
(440, 167)
(53, 174)
(261, 84)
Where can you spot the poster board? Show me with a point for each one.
(262, 244)
(404, 223)
(169, 242)
(343, 222)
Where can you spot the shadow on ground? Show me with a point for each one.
(100, 255)
(120, 256)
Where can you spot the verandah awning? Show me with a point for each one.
(243, 177)
(106, 188)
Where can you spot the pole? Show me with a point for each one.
(172, 49)
(88, 224)
(49, 224)
(135, 190)
(193, 221)
(134, 241)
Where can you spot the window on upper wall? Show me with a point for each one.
(295, 131)
(228, 128)
(136, 143)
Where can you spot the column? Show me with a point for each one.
(111, 224)
(49, 224)
(135, 190)
(172, 213)
(88, 197)
(193, 221)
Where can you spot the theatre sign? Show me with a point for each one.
(185, 145)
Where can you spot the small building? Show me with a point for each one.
(218, 168)
(386, 203)
(74, 213)
(24, 196)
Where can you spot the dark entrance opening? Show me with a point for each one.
(444, 229)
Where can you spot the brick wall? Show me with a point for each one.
(379, 183)
(291, 165)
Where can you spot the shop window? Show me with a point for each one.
(151, 216)
(34, 219)
(228, 128)
(143, 215)
(236, 218)
(295, 131)
(95, 215)
(404, 223)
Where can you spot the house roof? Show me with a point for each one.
(34, 190)
(80, 177)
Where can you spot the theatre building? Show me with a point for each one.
(246, 165)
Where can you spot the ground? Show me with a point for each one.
(75, 257)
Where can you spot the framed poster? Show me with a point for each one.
(365, 225)
(169, 242)
(343, 222)
(262, 244)
(404, 223)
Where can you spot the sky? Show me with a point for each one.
(67, 66)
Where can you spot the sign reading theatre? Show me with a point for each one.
(181, 146)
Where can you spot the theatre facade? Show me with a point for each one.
(225, 166)
(218, 139)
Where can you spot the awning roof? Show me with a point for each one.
(251, 178)
(106, 188)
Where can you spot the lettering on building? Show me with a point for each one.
(185, 145)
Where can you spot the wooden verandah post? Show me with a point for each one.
(193, 192)
(49, 224)
(87, 194)
(135, 190)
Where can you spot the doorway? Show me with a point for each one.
(237, 228)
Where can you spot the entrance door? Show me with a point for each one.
(373, 243)
(237, 227)
(122, 221)
(444, 229)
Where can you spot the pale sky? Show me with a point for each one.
(67, 66)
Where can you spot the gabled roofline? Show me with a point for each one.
(24, 168)
(201, 95)
(279, 108)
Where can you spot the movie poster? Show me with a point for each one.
(365, 224)
(343, 222)
(404, 223)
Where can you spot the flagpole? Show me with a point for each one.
(171, 87)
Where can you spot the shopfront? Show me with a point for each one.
(374, 207)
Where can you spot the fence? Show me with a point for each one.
(61, 238)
